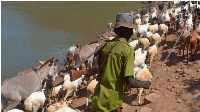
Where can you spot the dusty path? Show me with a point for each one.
(176, 89)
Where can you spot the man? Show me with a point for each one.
(118, 68)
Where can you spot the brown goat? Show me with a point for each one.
(183, 34)
(192, 41)
(70, 59)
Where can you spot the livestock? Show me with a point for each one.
(192, 7)
(153, 13)
(148, 35)
(90, 89)
(161, 6)
(58, 105)
(145, 18)
(15, 110)
(180, 22)
(73, 48)
(18, 88)
(134, 44)
(109, 25)
(152, 52)
(173, 18)
(57, 92)
(177, 10)
(189, 23)
(139, 57)
(153, 28)
(183, 33)
(142, 29)
(142, 74)
(70, 60)
(66, 109)
(192, 41)
(138, 21)
(69, 86)
(82, 53)
(35, 101)
(155, 39)
(163, 30)
(143, 12)
(143, 43)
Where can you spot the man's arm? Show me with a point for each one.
(131, 82)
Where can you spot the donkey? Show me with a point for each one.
(83, 52)
(18, 88)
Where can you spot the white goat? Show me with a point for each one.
(69, 86)
(163, 30)
(35, 101)
(66, 109)
(189, 23)
(15, 110)
(145, 18)
(90, 89)
(148, 35)
(109, 25)
(134, 44)
(57, 91)
(152, 52)
(155, 39)
(142, 29)
(138, 21)
(177, 10)
(72, 49)
(59, 105)
(139, 57)
(154, 13)
(142, 74)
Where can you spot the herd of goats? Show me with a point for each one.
(151, 28)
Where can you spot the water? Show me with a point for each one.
(36, 30)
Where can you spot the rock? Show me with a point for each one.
(186, 71)
(165, 46)
(184, 75)
(178, 100)
(152, 98)
(178, 70)
(146, 109)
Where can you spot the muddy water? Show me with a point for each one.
(36, 30)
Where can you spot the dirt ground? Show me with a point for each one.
(175, 89)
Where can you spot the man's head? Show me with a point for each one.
(124, 25)
(125, 20)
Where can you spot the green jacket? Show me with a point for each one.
(109, 92)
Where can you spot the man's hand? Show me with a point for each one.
(146, 84)
(131, 82)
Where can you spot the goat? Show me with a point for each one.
(35, 101)
(69, 86)
(143, 74)
(192, 41)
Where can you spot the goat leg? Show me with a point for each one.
(139, 95)
(87, 102)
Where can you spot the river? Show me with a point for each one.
(35, 30)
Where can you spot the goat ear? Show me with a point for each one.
(41, 62)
